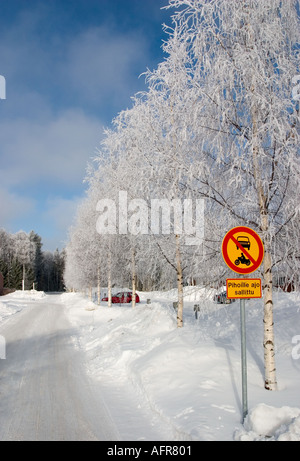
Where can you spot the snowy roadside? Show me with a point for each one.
(15, 302)
(189, 379)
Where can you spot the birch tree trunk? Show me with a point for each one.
(23, 279)
(133, 279)
(179, 283)
(268, 341)
(98, 287)
(109, 280)
(269, 349)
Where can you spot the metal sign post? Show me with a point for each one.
(243, 359)
(243, 253)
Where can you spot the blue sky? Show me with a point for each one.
(70, 66)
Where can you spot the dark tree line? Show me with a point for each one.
(24, 264)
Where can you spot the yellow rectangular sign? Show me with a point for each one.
(243, 288)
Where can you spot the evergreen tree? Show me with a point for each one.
(21, 254)
(38, 260)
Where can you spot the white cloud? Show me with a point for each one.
(103, 66)
(55, 81)
(47, 132)
(55, 150)
(59, 215)
(61, 212)
(13, 207)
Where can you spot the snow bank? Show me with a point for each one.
(191, 294)
(26, 294)
(7, 309)
(269, 423)
(15, 302)
(191, 377)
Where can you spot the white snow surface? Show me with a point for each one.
(185, 382)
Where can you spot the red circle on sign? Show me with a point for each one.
(255, 263)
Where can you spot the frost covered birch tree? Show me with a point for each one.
(83, 250)
(244, 56)
(25, 251)
(154, 138)
(140, 167)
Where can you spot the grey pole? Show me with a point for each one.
(244, 359)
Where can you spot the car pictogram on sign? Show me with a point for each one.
(244, 242)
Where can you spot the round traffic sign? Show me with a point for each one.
(242, 250)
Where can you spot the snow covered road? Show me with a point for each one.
(45, 393)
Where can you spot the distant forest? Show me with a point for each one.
(24, 264)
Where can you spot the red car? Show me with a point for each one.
(123, 297)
